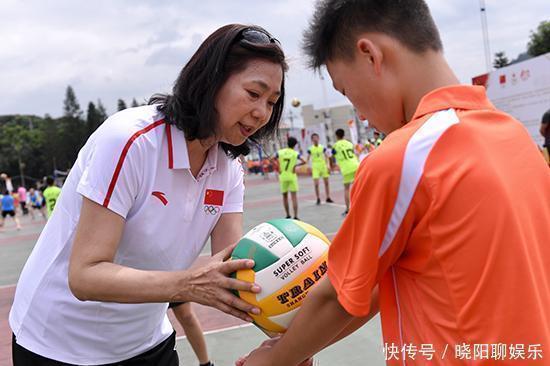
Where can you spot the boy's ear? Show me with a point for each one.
(370, 53)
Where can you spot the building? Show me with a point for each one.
(333, 118)
(302, 122)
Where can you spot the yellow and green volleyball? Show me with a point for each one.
(290, 258)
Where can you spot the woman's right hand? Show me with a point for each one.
(209, 284)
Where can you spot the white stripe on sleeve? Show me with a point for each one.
(416, 154)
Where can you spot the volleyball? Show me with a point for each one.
(295, 102)
(290, 258)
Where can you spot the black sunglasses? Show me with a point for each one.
(255, 37)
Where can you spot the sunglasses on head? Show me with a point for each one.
(256, 36)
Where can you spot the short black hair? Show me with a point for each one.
(292, 142)
(335, 25)
(314, 134)
(192, 105)
(340, 133)
(50, 181)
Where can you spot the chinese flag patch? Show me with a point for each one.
(213, 197)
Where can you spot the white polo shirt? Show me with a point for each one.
(137, 166)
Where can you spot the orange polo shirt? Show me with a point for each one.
(451, 218)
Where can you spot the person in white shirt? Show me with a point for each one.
(148, 189)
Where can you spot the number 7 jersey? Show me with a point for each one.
(287, 161)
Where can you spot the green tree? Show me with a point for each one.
(134, 103)
(93, 119)
(71, 129)
(500, 60)
(72, 133)
(18, 148)
(52, 146)
(121, 105)
(102, 112)
(539, 43)
(71, 108)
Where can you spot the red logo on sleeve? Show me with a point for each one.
(213, 197)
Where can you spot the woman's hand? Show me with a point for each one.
(93, 276)
(210, 285)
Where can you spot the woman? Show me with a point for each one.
(148, 189)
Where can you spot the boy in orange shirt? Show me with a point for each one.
(445, 236)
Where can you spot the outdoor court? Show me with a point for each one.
(227, 337)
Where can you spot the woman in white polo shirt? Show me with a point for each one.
(148, 189)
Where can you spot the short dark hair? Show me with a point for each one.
(335, 25)
(314, 134)
(340, 133)
(191, 107)
(292, 142)
(50, 181)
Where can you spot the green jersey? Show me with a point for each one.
(287, 161)
(345, 156)
(318, 157)
(51, 194)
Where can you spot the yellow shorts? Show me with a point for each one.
(349, 177)
(289, 185)
(319, 172)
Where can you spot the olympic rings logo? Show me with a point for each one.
(211, 210)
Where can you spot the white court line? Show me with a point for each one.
(220, 330)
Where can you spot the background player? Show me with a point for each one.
(319, 167)
(288, 179)
(8, 209)
(348, 162)
(51, 194)
(35, 199)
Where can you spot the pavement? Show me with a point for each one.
(227, 338)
